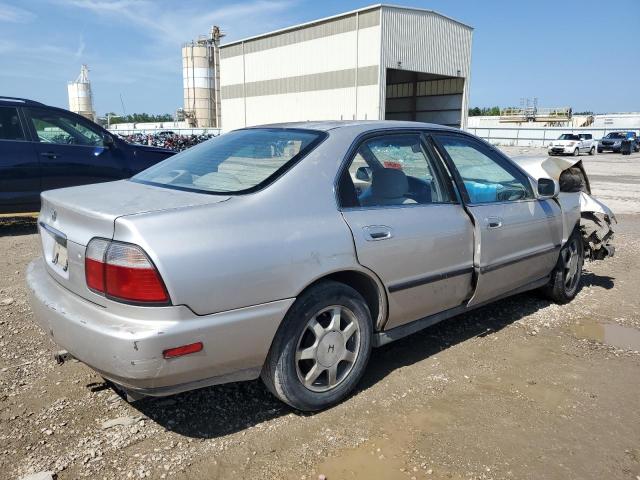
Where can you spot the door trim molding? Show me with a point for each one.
(396, 333)
(429, 279)
(505, 263)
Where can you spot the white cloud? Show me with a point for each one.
(176, 24)
(9, 13)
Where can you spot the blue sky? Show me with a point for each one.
(584, 54)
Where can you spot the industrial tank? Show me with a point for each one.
(80, 97)
(201, 80)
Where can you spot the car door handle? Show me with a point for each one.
(374, 233)
(494, 222)
(50, 155)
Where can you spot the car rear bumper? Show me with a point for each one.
(128, 350)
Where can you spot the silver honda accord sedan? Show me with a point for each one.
(288, 251)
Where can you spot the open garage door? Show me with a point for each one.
(424, 97)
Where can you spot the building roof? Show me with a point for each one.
(341, 15)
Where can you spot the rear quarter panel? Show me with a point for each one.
(250, 249)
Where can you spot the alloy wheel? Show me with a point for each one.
(571, 261)
(327, 348)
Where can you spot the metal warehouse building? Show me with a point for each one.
(378, 62)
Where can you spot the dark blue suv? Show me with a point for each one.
(44, 147)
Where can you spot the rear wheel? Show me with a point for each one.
(321, 349)
(564, 283)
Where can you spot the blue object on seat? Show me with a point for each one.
(481, 192)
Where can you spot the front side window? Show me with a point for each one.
(392, 170)
(236, 162)
(10, 128)
(56, 127)
(486, 178)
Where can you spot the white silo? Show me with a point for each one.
(80, 97)
(201, 80)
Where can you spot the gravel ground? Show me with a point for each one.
(521, 389)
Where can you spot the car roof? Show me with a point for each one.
(326, 125)
(17, 101)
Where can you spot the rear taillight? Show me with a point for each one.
(123, 271)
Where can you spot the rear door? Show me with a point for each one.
(518, 237)
(408, 226)
(72, 150)
(19, 168)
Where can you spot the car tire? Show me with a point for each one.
(599, 150)
(576, 152)
(321, 349)
(566, 277)
(592, 151)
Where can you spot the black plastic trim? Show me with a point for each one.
(429, 279)
(388, 336)
(498, 265)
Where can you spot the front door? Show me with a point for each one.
(72, 150)
(407, 226)
(518, 236)
(19, 168)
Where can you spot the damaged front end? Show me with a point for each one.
(596, 219)
(595, 225)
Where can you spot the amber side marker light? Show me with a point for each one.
(183, 350)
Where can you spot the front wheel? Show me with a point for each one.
(592, 151)
(321, 349)
(599, 150)
(564, 283)
(576, 152)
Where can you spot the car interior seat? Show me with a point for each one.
(389, 186)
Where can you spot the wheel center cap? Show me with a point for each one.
(331, 349)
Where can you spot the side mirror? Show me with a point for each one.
(364, 174)
(548, 188)
(108, 141)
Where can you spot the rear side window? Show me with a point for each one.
(392, 170)
(53, 126)
(10, 128)
(236, 162)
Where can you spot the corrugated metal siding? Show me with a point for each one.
(304, 83)
(422, 41)
(303, 34)
(425, 42)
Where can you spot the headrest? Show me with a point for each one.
(389, 183)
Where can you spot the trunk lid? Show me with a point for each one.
(71, 217)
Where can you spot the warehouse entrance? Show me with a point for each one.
(423, 97)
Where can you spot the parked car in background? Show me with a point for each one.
(162, 283)
(612, 141)
(44, 147)
(572, 144)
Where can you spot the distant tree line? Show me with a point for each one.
(139, 118)
(484, 112)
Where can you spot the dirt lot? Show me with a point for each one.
(521, 389)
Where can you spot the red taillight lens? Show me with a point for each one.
(183, 350)
(94, 263)
(123, 273)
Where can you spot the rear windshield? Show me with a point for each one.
(241, 161)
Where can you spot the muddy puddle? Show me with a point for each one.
(612, 334)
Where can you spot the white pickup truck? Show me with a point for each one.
(572, 144)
